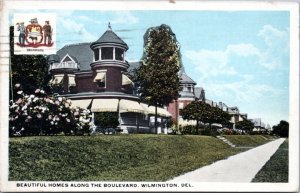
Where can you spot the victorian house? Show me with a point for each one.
(97, 76)
(187, 94)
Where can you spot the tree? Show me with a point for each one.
(282, 129)
(203, 112)
(245, 125)
(157, 79)
(197, 110)
(29, 70)
(219, 116)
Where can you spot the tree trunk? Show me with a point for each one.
(197, 127)
(155, 120)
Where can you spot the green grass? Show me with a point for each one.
(247, 140)
(114, 158)
(277, 168)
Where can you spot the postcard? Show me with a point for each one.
(149, 96)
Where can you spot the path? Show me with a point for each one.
(237, 168)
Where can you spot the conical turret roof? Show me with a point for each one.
(185, 79)
(110, 37)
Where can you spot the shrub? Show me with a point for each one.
(107, 122)
(39, 114)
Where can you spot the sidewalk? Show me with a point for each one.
(237, 168)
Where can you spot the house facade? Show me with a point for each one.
(187, 94)
(96, 76)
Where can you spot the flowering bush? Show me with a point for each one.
(39, 114)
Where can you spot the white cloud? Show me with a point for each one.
(242, 50)
(211, 63)
(125, 17)
(277, 50)
(274, 38)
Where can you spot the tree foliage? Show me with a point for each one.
(245, 125)
(203, 112)
(157, 78)
(282, 129)
(29, 70)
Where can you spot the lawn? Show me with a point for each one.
(248, 140)
(111, 158)
(277, 168)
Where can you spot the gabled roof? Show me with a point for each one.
(69, 57)
(81, 53)
(198, 92)
(185, 79)
(53, 58)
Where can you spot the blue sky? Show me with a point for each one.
(239, 57)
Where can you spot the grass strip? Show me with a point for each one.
(277, 168)
(111, 158)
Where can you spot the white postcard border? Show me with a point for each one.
(160, 5)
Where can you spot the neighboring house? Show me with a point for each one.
(96, 75)
(258, 124)
(187, 94)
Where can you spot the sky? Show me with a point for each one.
(240, 58)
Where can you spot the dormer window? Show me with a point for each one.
(67, 59)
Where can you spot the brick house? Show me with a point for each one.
(187, 94)
(96, 76)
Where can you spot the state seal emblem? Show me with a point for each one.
(32, 37)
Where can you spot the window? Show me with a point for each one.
(106, 53)
(119, 54)
(96, 54)
(100, 78)
(189, 88)
(180, 105)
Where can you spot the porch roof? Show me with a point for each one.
(130, 106)
(81, 103)
(105, 105)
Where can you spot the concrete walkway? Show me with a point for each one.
(237, 168)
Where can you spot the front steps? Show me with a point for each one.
(226, 141)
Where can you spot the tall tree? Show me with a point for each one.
(157, 79)
(31, 71)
